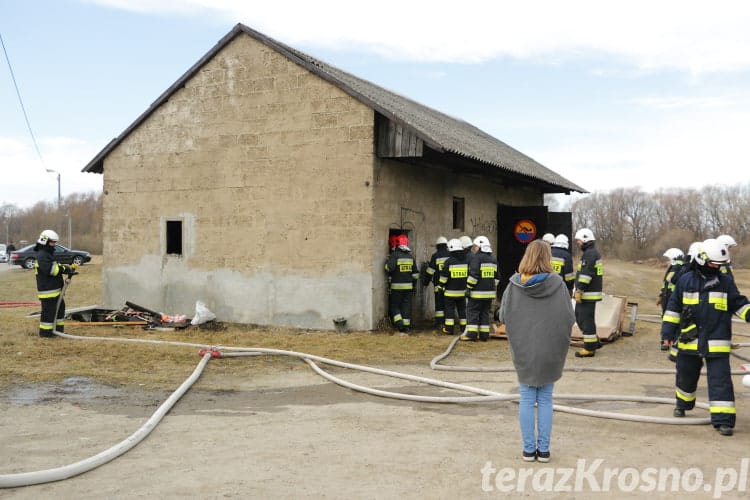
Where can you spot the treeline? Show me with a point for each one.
(631, 224)
(79, 215)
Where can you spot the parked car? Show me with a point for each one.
(26, 256)
(3, 253)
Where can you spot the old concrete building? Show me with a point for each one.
(265, 183)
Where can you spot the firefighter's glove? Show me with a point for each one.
(439, 289)
(578, 296)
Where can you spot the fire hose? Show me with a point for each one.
(208, 352)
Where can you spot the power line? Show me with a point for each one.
(23, 108)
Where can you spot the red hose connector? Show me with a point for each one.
(214, 353)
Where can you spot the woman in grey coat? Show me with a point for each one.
(538, 316)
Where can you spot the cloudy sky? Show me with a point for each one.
(608, 94)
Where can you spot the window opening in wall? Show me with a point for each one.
(458, 213)
(174, 237)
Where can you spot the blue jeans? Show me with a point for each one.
(535, 437)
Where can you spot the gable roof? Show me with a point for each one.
(439, 131)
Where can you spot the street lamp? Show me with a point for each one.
(59, 198)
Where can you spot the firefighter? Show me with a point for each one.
(675, 263)
(698, 321)
(481, 288)
(49, 284)
(588, 291)
(403, 275)
(562, 262)
(452, 283)
(432, 275)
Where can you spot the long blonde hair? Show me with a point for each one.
(536, 259)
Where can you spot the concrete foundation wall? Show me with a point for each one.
(270, 171)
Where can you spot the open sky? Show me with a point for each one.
(649, 94)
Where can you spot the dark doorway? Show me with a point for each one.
(561, 223)
(516, 228)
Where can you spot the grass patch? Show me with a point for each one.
(27, 358)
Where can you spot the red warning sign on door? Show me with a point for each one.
(524, 231)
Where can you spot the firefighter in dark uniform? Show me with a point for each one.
(675, 265)
(403, 275)
(432, 275)
(698, 320)
(562, 262)
(588, 291)
(49, 284)
(452, 283)
(481, 288)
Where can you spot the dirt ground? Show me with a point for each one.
(286, 432)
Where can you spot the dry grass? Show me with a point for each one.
(27, 358)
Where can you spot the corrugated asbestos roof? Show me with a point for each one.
(439, 131)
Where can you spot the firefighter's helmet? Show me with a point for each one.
(481, 241)
(442, 240)
(712, 251)
(454, 245)
(47, 235)
(561, 241)
(674, 254)
(585, 235)
(466, 242)
(726, 240)
(549, 238)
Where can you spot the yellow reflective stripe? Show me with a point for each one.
(671, 317)
(685, 396)
(690, 298)
(719, 346)
(742, 312)
(592, 296)
(482, 294)
(584, 278)
(688, 346)
(455, 293)
(50, 294)
(719, 300)
(599, 268)
(459, 271)
(689, 328)
(721, 407)
(570, 276)
(46, 326)
(401, 286)
(471, 280)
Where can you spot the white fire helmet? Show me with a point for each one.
(714, 251)
(693, 249)
(442, 240)
(726, 240)
(585, 235)
(466, 242)
(47, 235)
(549, 238)
(561, 241)
(674, 254)
(454, 245)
